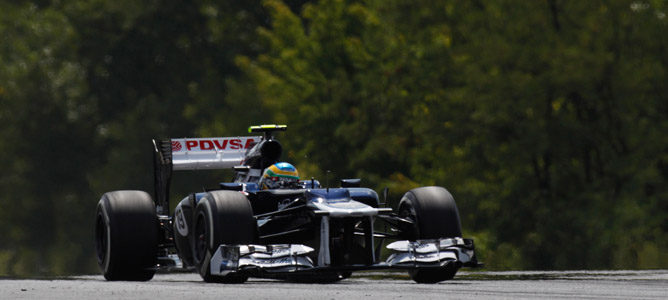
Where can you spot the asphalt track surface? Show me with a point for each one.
(373, 285)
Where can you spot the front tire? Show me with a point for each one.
(126, 236)
(434, 214)
(221, 217)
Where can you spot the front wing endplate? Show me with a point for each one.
(271, 258)
(431, 253)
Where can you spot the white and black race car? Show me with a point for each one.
(305, 233)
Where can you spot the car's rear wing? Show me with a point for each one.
(194, 154)
(210, 153)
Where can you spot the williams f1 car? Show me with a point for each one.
(306, 232)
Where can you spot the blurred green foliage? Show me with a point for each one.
(545, 119)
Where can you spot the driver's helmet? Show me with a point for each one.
(280, 175)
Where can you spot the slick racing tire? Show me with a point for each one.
(434, 214)
(126, 236)
(221, 217)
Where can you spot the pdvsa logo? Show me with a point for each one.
(176, 146)
(218, 144)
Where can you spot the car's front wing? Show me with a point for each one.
(292, 258)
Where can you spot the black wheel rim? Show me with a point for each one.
(409, 232)
(201, 233)
(101, 239)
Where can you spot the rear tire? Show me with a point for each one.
(221, 217)
(434, 214)
(126, 236)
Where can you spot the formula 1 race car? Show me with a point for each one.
(304, 233)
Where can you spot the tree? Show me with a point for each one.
(44, 141)
(525, 110)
